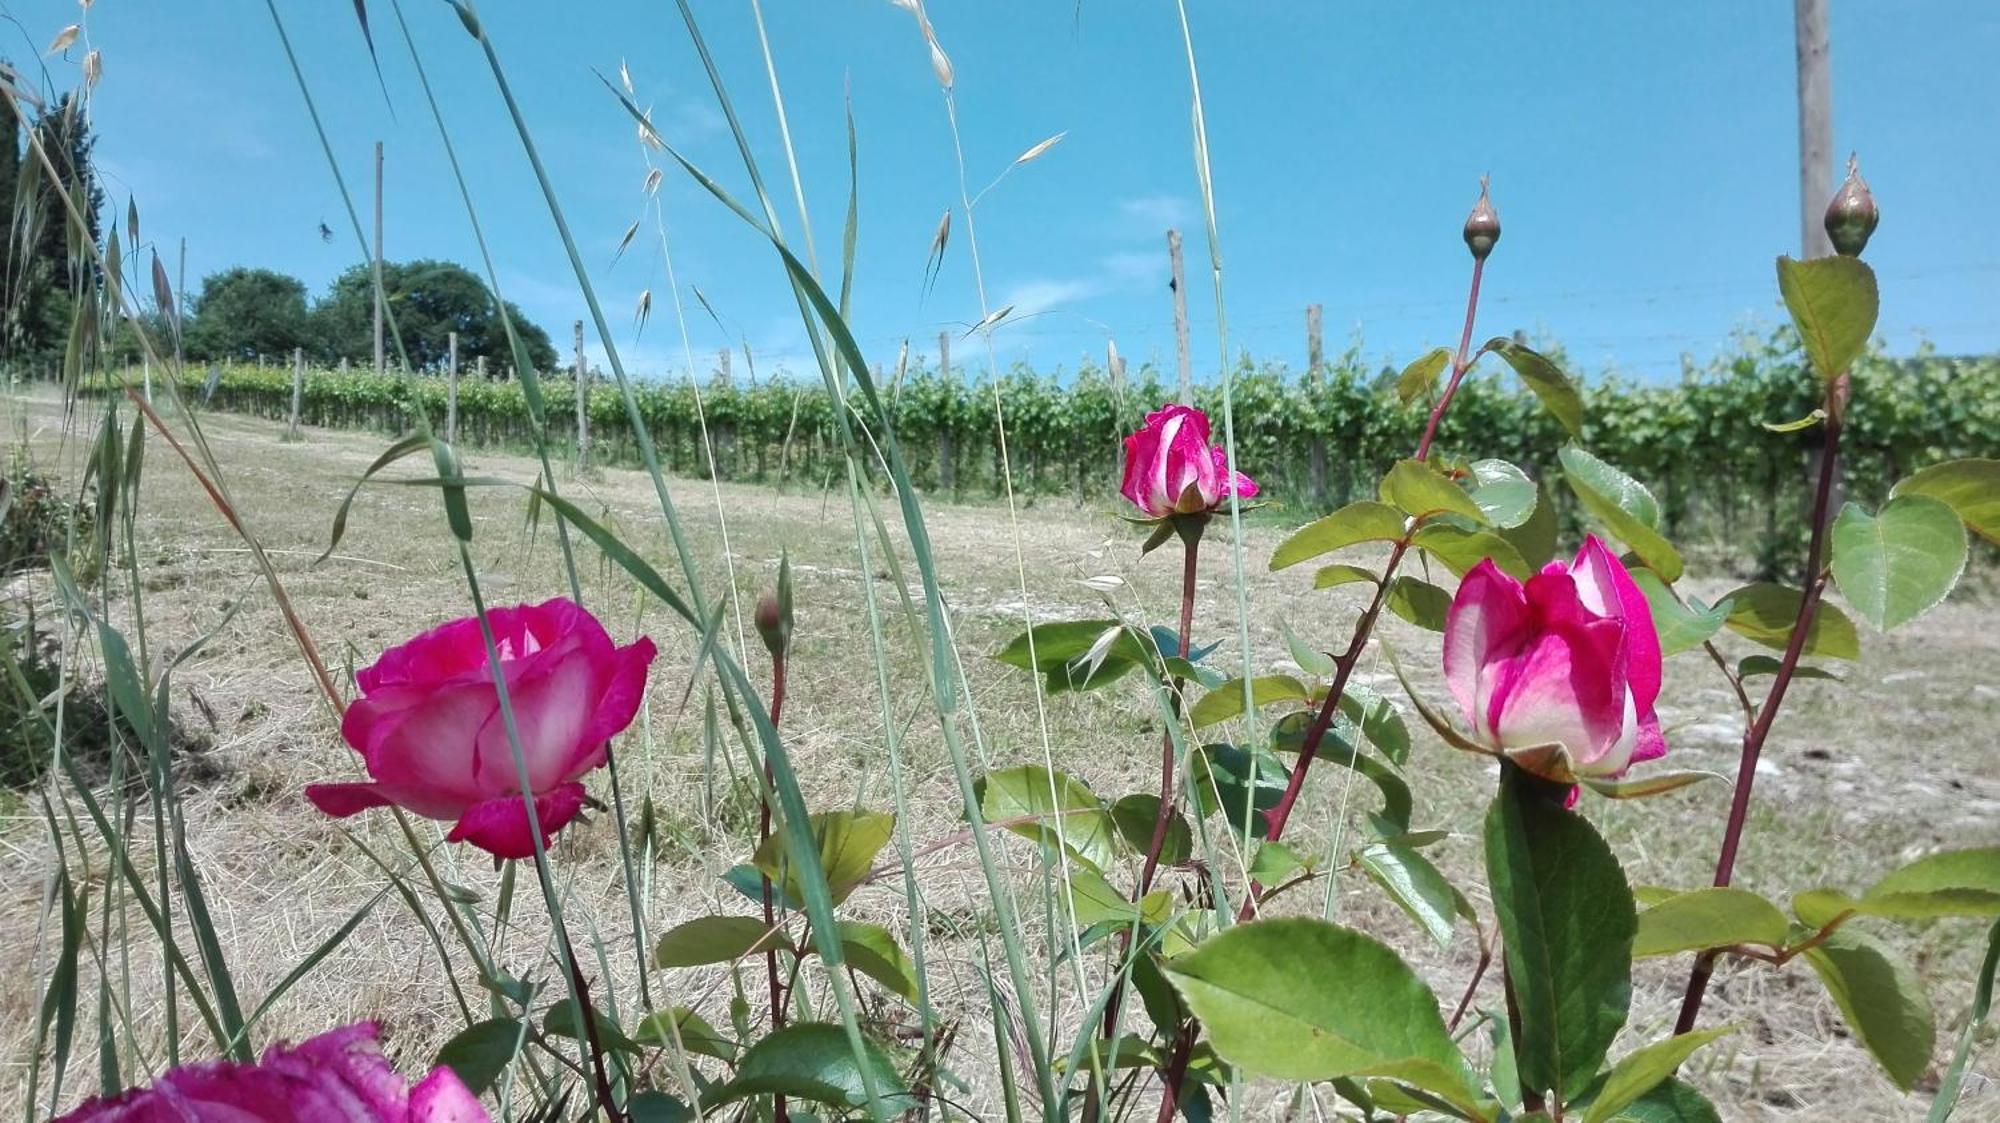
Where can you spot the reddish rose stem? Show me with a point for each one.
(778, 1113)
(1767, 714)
(1281, 813)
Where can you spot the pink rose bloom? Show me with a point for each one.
(428, 725)
(1170, 468)
(338, 1077)
(1568, 662)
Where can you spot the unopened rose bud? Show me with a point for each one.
(1852, 215)
(772, 625)
(1482, 226)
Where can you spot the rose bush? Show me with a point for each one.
(1170, 468)
(429, 729)
(1559, 674)
(338, 1077)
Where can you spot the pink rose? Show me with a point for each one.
(1170, 468)
(428, 725)
(1560, 674)
(338, 1077)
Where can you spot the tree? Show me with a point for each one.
(428, 300)
(45, 282)
(243, 312)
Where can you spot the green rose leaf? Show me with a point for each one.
(1055, 808)
(1535, 539)
(1226, 701)
(1365, 521)
(1833, 303)
(482, 1051)
(1418, 378)
(1567, 921)
(717, 939)
(1765, 612)
(1708, 918)
(1077, 654)
(1682, 627)
(1896, 566)
(1881, 999)
(1670, 1101)
(1971, 488)
(696, 1034)
(872, 950)
(1419, 602)
(814, 1061)
(1136, 815)
(1643, 1070)
(848, 842)
(1460, 549)
(1550, 384)
(1504, 492)
(1242, 784)
(1625, 508)
(1417, 886)
(1359, 1012)
(1333, 576)
(1420, 490)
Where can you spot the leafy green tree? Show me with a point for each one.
(430, 300)
(245, 312)
(44, 282)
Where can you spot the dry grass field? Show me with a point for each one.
(1900, 758)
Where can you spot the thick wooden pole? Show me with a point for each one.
(1179, 284)
(1815, 126)
(582, 414)
(381, 359)
(451, 390)
(298, 389)
(1315, 370)
(722, 364)
(1315, 343)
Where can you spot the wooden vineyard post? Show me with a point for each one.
(1179, 285)
(451, 389)
(1315, 370)
(298, 390)
(582, 411)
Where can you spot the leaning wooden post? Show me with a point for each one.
(1179, 285)
(582, 412)
(451, 389)
(298, 389)
(1315, 370)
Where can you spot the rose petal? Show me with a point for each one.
(620, 701)
(442, 1097)
(500, 826)
(1607, 589)
(1487, 623)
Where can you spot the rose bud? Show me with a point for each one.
(1482, 226)
(1852, 215)
(1170, 468)
(429, 730)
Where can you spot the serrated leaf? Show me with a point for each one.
(1359, 1012)
(1365, 521)
(1536, 538)
(1058, 807)
(1681, 627)
(1333, 576)
(1765, 613)
(1137, 816)
(1708, 918)
(479, 1053)
(1643, 1069)
(1460, 550)
(1414, 884)
(1418, 378)
(1379, 720)
(1275, 862)
(1833, 303)
(1504, 492)
(1625, 508)
(1750, 666)
(848, 842)
(814, 1061)
(872, 950)
(1971, 488)
(1895, 566)
(1948, 883)
(1311, 660)
(1670, 1101)
(1419, 602)
(717, 939)
(1557, 393)
(1418, 489)
(696, 1034)
(1567, 923)
(1881, 999)
(1241, 783)
(1226, 701)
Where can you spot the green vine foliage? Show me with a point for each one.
(1708, 445)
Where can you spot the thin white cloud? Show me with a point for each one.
(1154, 214)
(1046, 294)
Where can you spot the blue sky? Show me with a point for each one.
(1643, 162)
